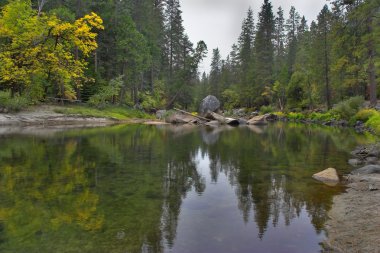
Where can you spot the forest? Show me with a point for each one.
(137, 53)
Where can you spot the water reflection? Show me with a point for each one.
(176, 189)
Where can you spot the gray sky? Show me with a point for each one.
(218, 22)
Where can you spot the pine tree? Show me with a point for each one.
(279, 43)
(264, 48)
(215, 73)
(292, 24)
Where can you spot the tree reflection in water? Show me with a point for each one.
(121, 189)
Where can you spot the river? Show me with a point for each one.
(136, 188)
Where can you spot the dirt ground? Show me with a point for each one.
(354, 225)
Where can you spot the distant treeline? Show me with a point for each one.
(286, 63)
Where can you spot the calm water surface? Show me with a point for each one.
(169, 189)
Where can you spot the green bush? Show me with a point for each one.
(348, 108)
(374, 122)
(266, 109)
(14, 104)
(365, 114)
(296, 116)
(108, 94)
(321, 117)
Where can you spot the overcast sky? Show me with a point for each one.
(218, 22)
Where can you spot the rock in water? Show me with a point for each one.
(258, 120)
(209, 103)
(327, 176)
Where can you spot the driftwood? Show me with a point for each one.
(196, 116)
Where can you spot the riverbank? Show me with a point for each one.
(52, 116)
(354, 219)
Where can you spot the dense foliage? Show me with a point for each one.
(136, 52)
(105, 52)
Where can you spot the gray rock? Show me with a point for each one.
(342, 123)
(355, 162)
(160, 114)
(371, 160)
(209, 103)
(239, 112)
(369, 169)
(270, 117)
(255, 113)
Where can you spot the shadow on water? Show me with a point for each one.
(169, 189)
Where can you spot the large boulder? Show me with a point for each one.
(327, 176)
(369, 169)
(209, 104)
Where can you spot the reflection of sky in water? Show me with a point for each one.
(212, 222)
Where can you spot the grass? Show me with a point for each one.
(119, 113)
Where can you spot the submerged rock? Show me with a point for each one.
(327, 176)
(209, 104)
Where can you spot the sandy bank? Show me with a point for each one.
(45, 116)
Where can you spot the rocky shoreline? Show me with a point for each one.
(354, 219)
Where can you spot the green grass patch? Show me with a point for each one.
(119, 113)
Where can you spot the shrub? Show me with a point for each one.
(107, 94)
(266, 109)
(348, 108)
(321, 117)
(374, 122)
(279, 114)
(296, 116)
(14, 104)
(365, 114)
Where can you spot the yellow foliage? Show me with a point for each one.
(43, 46)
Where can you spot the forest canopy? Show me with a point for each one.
(137, 52)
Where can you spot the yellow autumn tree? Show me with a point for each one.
(43, 47)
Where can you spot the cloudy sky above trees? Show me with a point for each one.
(218, 22)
